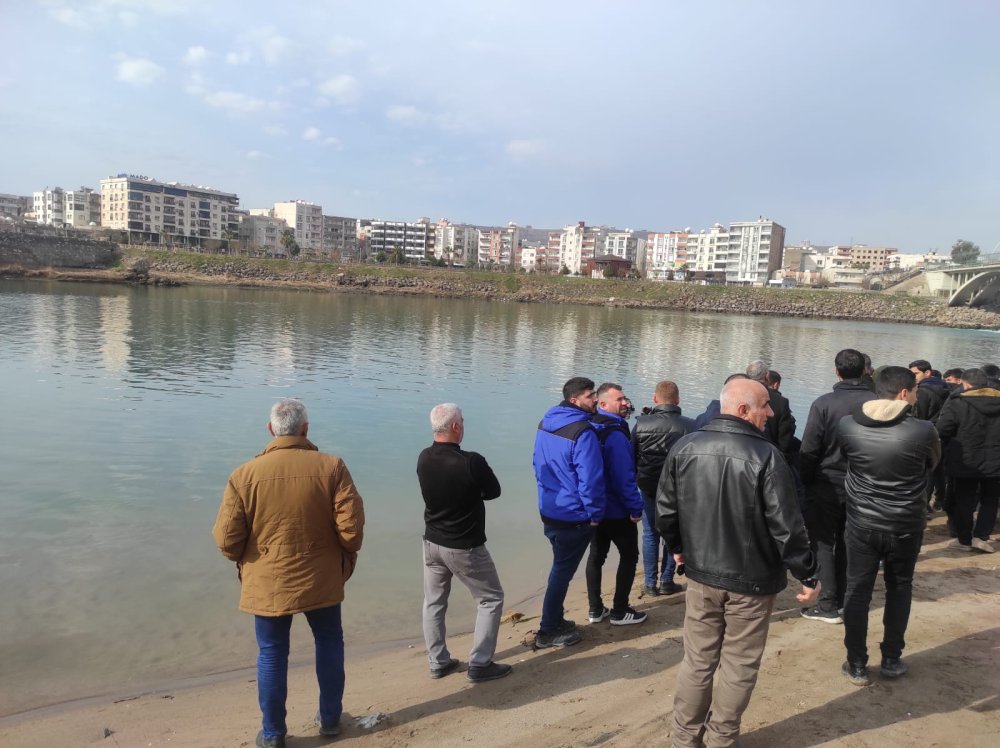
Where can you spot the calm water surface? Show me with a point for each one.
(127, 408)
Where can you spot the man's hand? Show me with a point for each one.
(809, 595)
(679, 558)
(594, 524)
(636, 520)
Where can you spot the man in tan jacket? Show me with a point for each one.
(292, 521)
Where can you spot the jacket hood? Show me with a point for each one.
(562, 415)
(984, 399)
(882, 412)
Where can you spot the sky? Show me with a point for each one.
(847, 122)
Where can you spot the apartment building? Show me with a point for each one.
(13, 207)
(708, 250)
(754, 252)
(665, 252)
(529, 256)
(260, 233)
(624, 244)
(340, 237)
(456, 243)
(874, 259)
(573, 245)
(306, 220)
(413, 239)
(49, 207)
(499, 246)
(168, 212)
(67, 208)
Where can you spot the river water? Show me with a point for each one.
(125, 410)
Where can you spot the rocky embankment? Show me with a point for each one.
(510, 287)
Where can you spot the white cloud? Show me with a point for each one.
(344, 46)
(195, 56)
(273, 48)
(235, 103)
(315, 135)
(419, 161)
(128, 13)
(405, 114)
(69, 17)
(344, 89)
(256, 155)
(276, 131)
(311, 133)
(524, 149)
(238, 58)
(137, 71)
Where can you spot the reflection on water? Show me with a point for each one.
(126, 409)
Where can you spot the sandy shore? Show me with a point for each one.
(614, 689)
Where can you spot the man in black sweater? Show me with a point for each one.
(454, 484)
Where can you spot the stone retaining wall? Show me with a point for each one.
(45, 250)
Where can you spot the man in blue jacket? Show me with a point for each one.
(569, 471)
(622, 511)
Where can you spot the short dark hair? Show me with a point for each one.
(850, 363)
(935, 373)
(868, 362)
(975, 378)
(990, 370)
(605, 386)
(773, 377)
(953, 373)
(893, 379)
(576, 387)
(737, 375)
(922, 364)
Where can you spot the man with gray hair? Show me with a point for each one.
(780, 428)
(292, 521)
(455, 484)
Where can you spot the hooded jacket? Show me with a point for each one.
(890, 458)
(821, 457)
(653, 436)
(969, 425)
(727, 501)
(621, 494)
(292, 520)
(569, 468)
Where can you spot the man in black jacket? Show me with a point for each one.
(823, 469)
(726, 505)
(780, 427)
(890, 458)
(654, 434)
(454, 484)
(969, 426)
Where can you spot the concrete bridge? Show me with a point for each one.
(968, 285)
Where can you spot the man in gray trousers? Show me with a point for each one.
(455, 484)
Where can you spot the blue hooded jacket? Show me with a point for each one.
(621, 492)
(568, 466)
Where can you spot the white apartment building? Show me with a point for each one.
(260, 234)
(14, 206)
(413, 239)
(82, 208)
(306, 220)
(456, 243)
(707, 251)
(624, 244)
(529, 257)
(49, 207)
(340, 236)
(168, 212)
(665, 251)
(754, 252)
(499, 246)
(576, 243)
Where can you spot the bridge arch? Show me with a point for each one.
(981, 289)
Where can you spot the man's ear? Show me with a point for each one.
(269, 429)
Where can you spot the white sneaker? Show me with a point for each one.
(956, 546)
(596, 616)
(981, 545)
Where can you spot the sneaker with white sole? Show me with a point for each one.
(596, 616)
(981, 545)
(957, 545)
(818, 614)
(627, 617)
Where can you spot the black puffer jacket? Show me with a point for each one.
(890, 458)
(969, 425)
(821, 457)
(653, 436)
(726, 500)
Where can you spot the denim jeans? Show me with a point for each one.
(568, 546)
(898, 552)
(272, 666)
(625, 536)
(651, 562)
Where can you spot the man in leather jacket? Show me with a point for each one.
(654, 434)
(890, 455)
(726, 505)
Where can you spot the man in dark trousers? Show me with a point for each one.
(622, 511)
(890, 459)
(823, 470)
(726, 505)
(654, 434)
(455, 484)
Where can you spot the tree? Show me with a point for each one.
(380, 256)
(610, 271)
(288, 242)
(564, 270)
(964, 252)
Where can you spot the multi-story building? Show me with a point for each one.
(529, 256)
(499, 246)
(168, 212)
(665, 252)
(50, 207)
(456, 243)
(13, 207)
(873, 259)
(83, 208)
(340, 237)
(623, 244)
(754, 252)
(415, 240)
(260, 234)
(574, 244)
(707, 251)
(306, 220)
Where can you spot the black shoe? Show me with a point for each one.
(654, 591)
(566, 625)
(856, 674)
(627, 617)
(443, 670)
(596, 616)
(893, 667)
(557, 639)
(818, 614)
(493, 671)
(327, 731)
(670, 588)
(278, 741)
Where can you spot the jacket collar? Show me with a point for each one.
(665, 408)
(610, 416)
(289, 442)
(851, 384)
(732, 425)
(981, 392)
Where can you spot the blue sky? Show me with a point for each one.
(872, 122)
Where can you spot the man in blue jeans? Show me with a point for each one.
(292, 521)
(569, 471)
